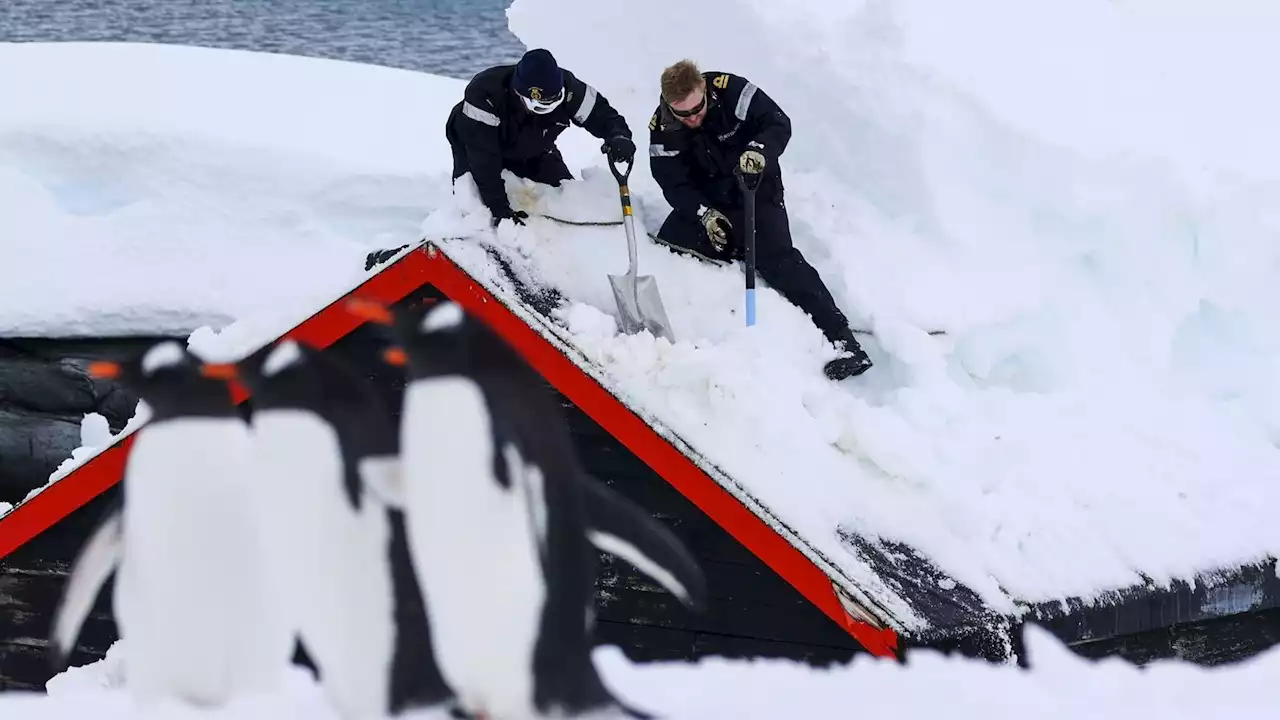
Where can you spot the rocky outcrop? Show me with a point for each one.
(45, 392)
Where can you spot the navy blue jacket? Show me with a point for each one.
(490, 127)
(694, 167)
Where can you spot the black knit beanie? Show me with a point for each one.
(538, 70)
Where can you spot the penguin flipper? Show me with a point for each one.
(620, 528)
(95, 563)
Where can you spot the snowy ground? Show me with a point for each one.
(1105, 401)
(1059, 686)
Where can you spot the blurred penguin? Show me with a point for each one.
(504, 525)
(325, 443)
(195, 601)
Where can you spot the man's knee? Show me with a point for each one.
(773, 229)
(772, 235)
(549, 169)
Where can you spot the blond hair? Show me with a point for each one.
(681, 79)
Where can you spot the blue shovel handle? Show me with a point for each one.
(749, 240)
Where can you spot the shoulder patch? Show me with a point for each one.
(653, 121)
(721, 81)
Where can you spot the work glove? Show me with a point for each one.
(751, 162)
(515, 216)
(717, 226)
(619, 149)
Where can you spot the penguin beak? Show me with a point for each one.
(103, 369)
(395, 356)
(218, 371)
(369, 310)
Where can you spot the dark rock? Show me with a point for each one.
(117, 405)
(51, 386)
(45, 391)
(32, 445)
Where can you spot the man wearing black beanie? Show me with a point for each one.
(509, 118)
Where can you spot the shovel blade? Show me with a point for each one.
(640, 306)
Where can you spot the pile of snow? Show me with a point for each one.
(1176, 79)
(1058, 686)
(96, 436)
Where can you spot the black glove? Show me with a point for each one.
(619, 148)
(515, 216)
(377, 257)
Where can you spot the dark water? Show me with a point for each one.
(456, 38)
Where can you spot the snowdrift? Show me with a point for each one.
(1059, 686)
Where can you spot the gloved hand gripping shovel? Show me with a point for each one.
(748, 182)
(639, 304)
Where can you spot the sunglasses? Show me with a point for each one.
(691, 111)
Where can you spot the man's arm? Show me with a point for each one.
(478, 128)
(670, 169)
(592, 112)
(767, 126)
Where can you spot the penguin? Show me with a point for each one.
(194, 600)
(505, 526)
(324, 441)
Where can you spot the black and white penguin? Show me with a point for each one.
(325, 442)
(194, 601)
(505, 526)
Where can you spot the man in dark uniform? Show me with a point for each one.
(509, 118)
(706, 126)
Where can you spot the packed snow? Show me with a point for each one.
(177, 187)
(1058, 686)
(1103, 407)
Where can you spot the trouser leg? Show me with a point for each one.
(548, 168)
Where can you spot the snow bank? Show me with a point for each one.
(1180, 79)
(1059, 686)
(155, 189)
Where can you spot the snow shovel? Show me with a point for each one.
(749, 239)
(639, 304)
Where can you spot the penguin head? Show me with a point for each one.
(280, 375)
(172, 381)
(294, 375)
(439, 339)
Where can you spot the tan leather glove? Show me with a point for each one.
(751, 162)
(717, 226)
